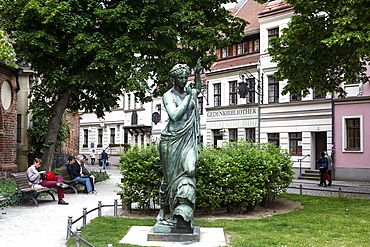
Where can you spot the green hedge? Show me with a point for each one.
(237, 176)
(142, 174)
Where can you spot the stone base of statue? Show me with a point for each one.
(174, 234)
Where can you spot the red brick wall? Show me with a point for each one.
(8, 125)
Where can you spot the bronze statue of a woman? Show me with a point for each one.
(179, 150)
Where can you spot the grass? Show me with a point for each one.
(324, 221)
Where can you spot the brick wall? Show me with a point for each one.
(8, 122)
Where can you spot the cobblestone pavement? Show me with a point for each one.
(358, 190)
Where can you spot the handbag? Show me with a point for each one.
(326, 176)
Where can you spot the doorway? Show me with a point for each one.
(320, 144)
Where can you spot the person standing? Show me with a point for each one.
(323, 166)
(104, 159)
(34, 176)
(92, 157)
(330, 168)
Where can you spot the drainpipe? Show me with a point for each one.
(333, 136)
(17, 73)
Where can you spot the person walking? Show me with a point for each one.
(34, 176)
(92, 157)
(323, 166)
(104, 159)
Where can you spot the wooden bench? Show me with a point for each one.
(27, 191)
(2, 198)
(67, 179)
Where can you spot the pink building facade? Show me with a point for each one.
(352, 134)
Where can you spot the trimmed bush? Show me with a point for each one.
(237, 176)
(142, 174)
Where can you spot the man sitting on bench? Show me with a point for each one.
(77, 174)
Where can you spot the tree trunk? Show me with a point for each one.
(53, 130)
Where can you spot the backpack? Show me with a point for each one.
(50, 176)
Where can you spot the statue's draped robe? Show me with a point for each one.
(176, 147)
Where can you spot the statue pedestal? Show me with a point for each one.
(173, 234)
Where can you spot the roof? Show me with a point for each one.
(275, 7)
(234, 63)
(249, 11)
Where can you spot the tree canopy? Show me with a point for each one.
(7, 53)
(327, 43)
(87, 51)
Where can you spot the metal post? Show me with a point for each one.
(84, 212)
(78, 236)
(259, 100)
(99, 208)
(300, 189)
(69, 227)
(115, 207)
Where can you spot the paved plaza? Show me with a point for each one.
(46, 225)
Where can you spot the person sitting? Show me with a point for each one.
(34, 176)
(77, 174)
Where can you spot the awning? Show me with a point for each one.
(138, 129)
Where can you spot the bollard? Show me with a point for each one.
(78, 236)
(69, 227)
(340, 192)
(84, 212)
(99, 208)
(115, 207)
(300, 189)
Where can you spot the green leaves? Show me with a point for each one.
(326, 44)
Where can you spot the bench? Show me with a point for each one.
(67, 179)
(21, 179)
(2, 198)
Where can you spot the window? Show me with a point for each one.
(125, 136)
(242, 48)
(295, 97)
(273, 32)
(273, 89)
(317, 94)
(226, 51)
(252, 91)
(250, 134)
(112, 136)
(158, 109)
(233, 99)
(19, 127)
(233, 135)
(353, 133)
(86, 137)
(100, 137)
(256, 45)
(200, 105)
(129, 101)
(274, 138)
(217, 94)
(248, 46)
(295, 143)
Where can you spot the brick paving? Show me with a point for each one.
(349, 189)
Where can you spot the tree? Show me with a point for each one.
(327, 43)
(87, 51)
(7, 53)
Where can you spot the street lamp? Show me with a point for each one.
(245, 85)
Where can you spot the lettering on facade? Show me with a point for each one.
(236, 112)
